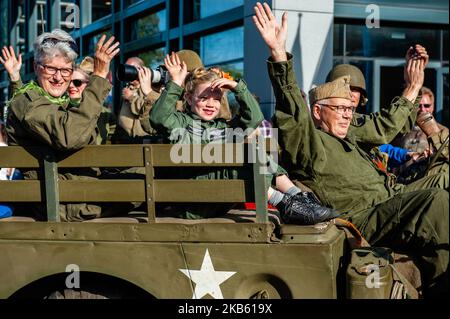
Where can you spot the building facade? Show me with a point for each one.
(373, 35)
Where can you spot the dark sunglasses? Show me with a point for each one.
(78, 83)
(53, 41)
(425, 105)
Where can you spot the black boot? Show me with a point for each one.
(303, 209)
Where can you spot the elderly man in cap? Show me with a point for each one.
(139, 97)
(319, 150)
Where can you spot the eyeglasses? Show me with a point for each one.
(425, 105)
(340, 109)
(78, 82)
(52, 70)
(53, 41)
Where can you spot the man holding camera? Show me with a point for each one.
(137, 98)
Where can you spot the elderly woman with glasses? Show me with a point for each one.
(40, 112)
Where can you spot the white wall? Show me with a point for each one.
(310, 40)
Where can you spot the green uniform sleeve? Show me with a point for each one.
(163, 115)
(382, 127)
(66, 128)
(250, 115)
(15, 85)
(300, 141)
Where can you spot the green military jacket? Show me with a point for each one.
(188, 128)
(339, 171)
(382, 127)
(34, 120)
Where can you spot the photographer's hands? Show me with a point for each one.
(145, 79)
(176, 68)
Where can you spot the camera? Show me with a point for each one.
(129, 73)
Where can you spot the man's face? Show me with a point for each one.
(54, 75)
(356, 96)
(334, 115)
(426, 105)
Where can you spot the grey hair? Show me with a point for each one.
(44, 50)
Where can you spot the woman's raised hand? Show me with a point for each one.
(11, 63)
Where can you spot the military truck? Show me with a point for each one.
(244, 254)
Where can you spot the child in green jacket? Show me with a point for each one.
(200, 124)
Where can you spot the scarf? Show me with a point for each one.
(61, 101)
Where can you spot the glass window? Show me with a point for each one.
(211, 7)
(92, 41)
(130, 2)
(198, 9)
(100, 9)
(338, 39)
(41, 16)
(389, 41)
(70, 16)
(222, 47)
(445, 45)
(236, 69)
(19, 31)
(4, 25)
(392, 83)
(148, 25)
(153, 58)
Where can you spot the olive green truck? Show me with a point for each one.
(244, 254)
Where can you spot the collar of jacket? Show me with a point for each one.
(198, 118)
(61, 101)
(74, 102)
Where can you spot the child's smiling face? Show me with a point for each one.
(205, 102)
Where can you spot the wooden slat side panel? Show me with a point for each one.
(20, 191)
(105, 156)
(230, 155)
(202, 191)
(17, 156)
(131, 190)
(102, 191)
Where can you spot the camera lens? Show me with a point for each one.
(156, 76)
(127, 73)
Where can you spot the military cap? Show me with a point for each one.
(339, 88)
(87, 65)
(357, 79)
(191, 59)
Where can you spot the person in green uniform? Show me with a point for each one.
(106, 122)
(80, 79)
(319, 149)
(40, 113)
(200, 124)
(385, 126)
(426, 135)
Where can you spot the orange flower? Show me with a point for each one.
(226, 75)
